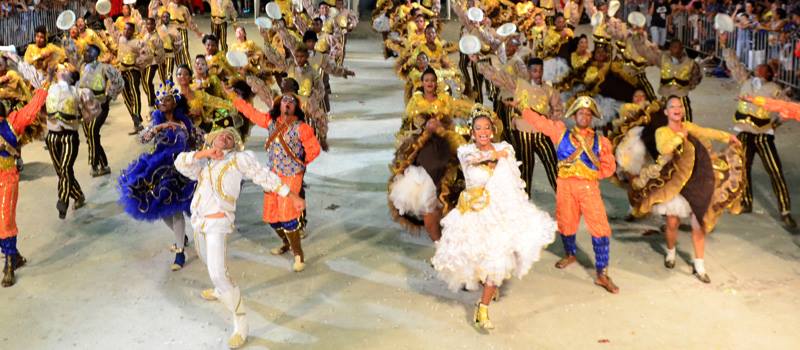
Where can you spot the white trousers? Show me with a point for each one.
(210, 241)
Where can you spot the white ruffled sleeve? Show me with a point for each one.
(188, 166)
(248, 164)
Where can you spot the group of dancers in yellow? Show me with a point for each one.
(583, 105)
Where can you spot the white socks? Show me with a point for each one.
(699, 266)
(671, 254)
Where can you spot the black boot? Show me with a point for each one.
(62, 209)
(788, 222)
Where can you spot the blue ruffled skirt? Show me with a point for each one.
(150, 187)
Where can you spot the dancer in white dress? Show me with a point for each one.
(494, 232)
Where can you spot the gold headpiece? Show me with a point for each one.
(583, 102)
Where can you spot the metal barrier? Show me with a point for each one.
(18, 28)
(752, 46)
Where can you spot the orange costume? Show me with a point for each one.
(584, 157)
(290, 148)
(289, 153)
(11, 128)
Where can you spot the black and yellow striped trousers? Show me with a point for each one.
(132, 95)
(167, 66)
(183, 57)
(147, 84)
(764, 145)
(527, 145)
(63, 147)
(97, 155)
(221, 32)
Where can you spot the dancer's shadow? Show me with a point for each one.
(36, 170)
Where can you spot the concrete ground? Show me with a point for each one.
(100, 280)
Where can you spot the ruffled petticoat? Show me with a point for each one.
(677, 206)
(413, 192)
(501, 240)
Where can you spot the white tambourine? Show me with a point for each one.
(129, 2)
(597, 18)
(475, 14)
(469, 44)
(613, 7)
(637, 19)
(506, 29)
(236, 58)
(65, 20)
(103, 7)
(273, 11)
(264, 23)
(723, 23)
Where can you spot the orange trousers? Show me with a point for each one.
(9, 190)
(280, 209)
(576, 197)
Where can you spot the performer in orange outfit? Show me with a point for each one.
(291, 146)
(12, 127)
(584, 157)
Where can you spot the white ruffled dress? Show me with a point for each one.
(495, 232)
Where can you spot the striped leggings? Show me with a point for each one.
(764, 145)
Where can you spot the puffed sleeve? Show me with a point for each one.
(607, 163)
(310, 142)
(707, 133)
(249, 166)
(259, 118)
(667, 140)
(188, 166)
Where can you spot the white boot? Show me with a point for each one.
(233, 302)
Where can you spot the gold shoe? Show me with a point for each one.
(299, 265)
(482, 317)
(236, 341)
(208, 294)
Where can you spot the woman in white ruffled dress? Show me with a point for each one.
(494, 233)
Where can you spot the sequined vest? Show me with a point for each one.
(533, 97)
(679, 75)
(580, 166)
(280, 161)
